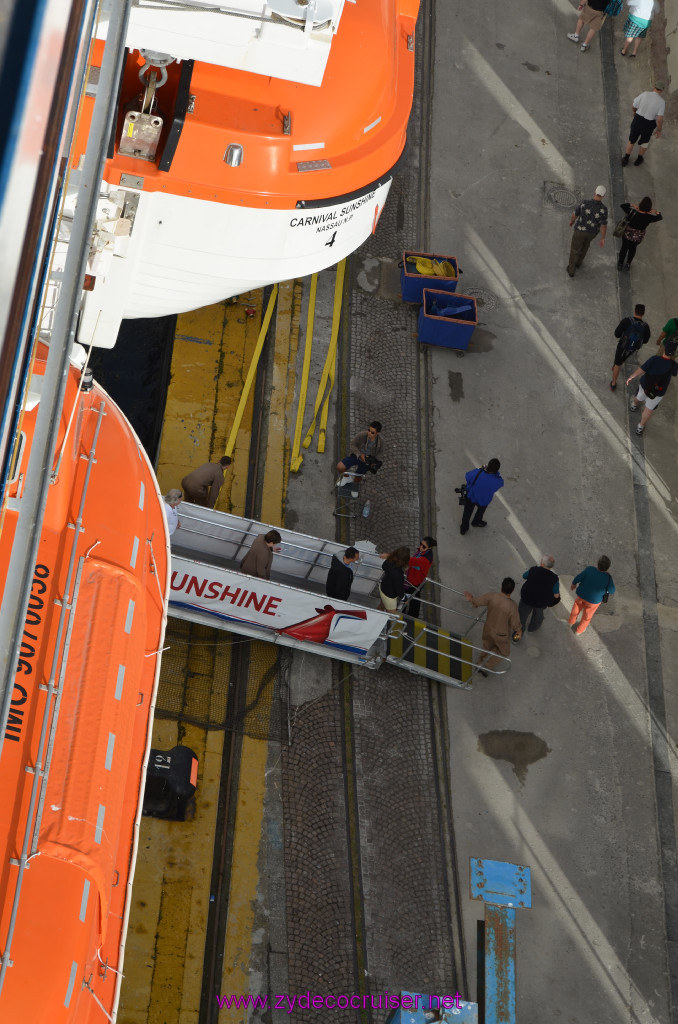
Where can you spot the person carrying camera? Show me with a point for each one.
(477, 492)
(365, 454)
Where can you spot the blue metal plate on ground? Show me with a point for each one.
(453, 1009)
(505, 885)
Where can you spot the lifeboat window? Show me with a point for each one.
(16, 465)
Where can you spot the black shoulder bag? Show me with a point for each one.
(606, 595)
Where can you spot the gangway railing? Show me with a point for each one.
(291, 608)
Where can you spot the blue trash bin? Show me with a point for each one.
(412, 283)
(447, 320)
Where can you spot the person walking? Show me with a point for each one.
(392, 585)
(540, 590)
(593, 585)
(589, 218)
(631, 332)
(637, 24)
(417, 571)
(648, 115)
(638, 219)
(669, 332)
(202, 485)
(340, 576)
(657, 372)
(259, 558)
(172, 499)
(481, 486)
(501, 622)
(591, 14)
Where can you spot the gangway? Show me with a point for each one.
(292, 609)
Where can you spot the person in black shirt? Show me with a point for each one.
(631, 332)
(340, 577)
(638, 218)
(392, 586)
(657, 372)
(540, 590)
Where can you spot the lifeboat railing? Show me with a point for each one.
(50, 715)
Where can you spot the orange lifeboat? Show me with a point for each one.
(252, 145)
(72, 767)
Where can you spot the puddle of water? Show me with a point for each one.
(521, 749)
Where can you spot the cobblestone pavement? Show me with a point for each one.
(404, 920)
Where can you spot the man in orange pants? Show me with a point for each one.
(592, 585)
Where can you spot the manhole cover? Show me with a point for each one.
(560, 196)
(484, 300)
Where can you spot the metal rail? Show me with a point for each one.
(38, 478)
(50, 713)
(428, 630)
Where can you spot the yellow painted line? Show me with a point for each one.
(467, 663)
(211, 349)
(170, 899)
(244, 874)
(336, 320)
(330, 358)
(297, 457)
(444, 652)
(251, 373)
(280, 395)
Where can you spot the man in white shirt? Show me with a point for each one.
(648, 114)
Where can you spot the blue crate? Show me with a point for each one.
(448, 331)
(412, 283)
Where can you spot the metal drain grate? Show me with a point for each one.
(560, 197)
(485, 300)
(200, 669)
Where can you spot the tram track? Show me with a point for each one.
(437, 695)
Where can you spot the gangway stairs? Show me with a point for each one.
(431, 651)
(292, 609)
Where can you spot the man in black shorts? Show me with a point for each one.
(657, 372)
(631, 332)
(648, 114)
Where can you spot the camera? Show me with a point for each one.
(373, 464)
(461, 491)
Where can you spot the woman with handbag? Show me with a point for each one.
(392, 586)
(632, 229)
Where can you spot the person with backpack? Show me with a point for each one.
(637, 219)
(657, 372)
(631, 333)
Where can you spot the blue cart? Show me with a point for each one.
(447, 320)
(413, 281)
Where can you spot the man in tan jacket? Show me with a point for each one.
(259, 558)
(203, 484)
(501, 622)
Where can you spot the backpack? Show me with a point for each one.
(633, 336)
(656, 386)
